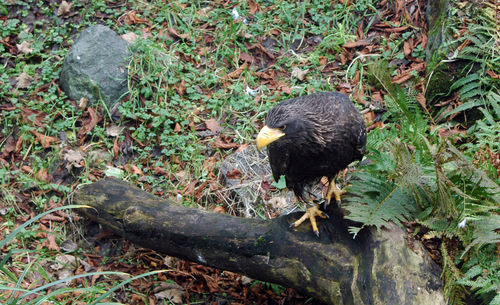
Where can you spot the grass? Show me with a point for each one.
(180, 81)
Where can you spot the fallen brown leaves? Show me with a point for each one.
(45, 141)
(236, 73)
(213, 125)
(88, 123)
(132, 18)
(394, 19)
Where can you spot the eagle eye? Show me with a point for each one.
(282, 127)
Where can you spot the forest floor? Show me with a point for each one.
(201, 81)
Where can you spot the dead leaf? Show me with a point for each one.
(94, 278)
(50, 217)
(355, 44)
(369, 117)
(253, 7)
(403, 77)
(89, 123)
(34, 117)
(286, 89)
(173, 32)
(213, 125)
(189, 189)
(133, 169)
(182, 175)
(245, 280)
(24, 47)
(131, 18)
(246, 57)
(407, 49)
(69, 246)
(377, 96)
(447, 132)
(174, 293)
(323, 61)
(83, 103)
(46, 141)
(421, 100)
(74, 159)
(204, 11)
(219, 143)
(234, 174)
(73, 156)
(278, 203)
(114, 130)
(209, 164)
(243, 147)
(180, 87)
(19, 144)
(345, 56)
(27, 169)
(23, 80)
(493, 74)
(9, 146)
(236, 73)
(219, 209)
(51, 243)
(392, 30)
(177, 128)
(116, 149)
(298, 73)
(169, 261)
(130, 37)
(64, 8)
(42, 175)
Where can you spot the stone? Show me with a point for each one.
(96, 67)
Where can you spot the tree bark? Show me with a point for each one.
(375, 268)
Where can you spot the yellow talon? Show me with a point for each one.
(334, 190)
(311, 214)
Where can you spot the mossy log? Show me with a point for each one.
(374, 268)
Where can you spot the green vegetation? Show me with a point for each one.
(201, 83)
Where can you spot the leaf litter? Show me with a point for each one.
(189, 278)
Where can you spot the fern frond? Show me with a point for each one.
(466, 106)
(485, 231)
(378, 202)
(493, 100)
(451, 275)
(482, 273)
(475, 92)
(465, 80)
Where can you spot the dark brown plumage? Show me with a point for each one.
(323, 133)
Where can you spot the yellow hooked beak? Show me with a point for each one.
(268, 135)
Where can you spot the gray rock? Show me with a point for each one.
(96, 67)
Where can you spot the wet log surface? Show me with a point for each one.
(375, 268)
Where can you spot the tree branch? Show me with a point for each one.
(374, 268)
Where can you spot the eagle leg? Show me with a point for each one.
(335, 191)
(311, 214)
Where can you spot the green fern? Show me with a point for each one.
(482, 274)
(485, 231)
(477, 88)
(382, 201)
(414, 174)
(451, 274)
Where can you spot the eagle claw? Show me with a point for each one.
(325, 202)
(311, 214)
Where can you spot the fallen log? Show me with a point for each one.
(375, 268)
